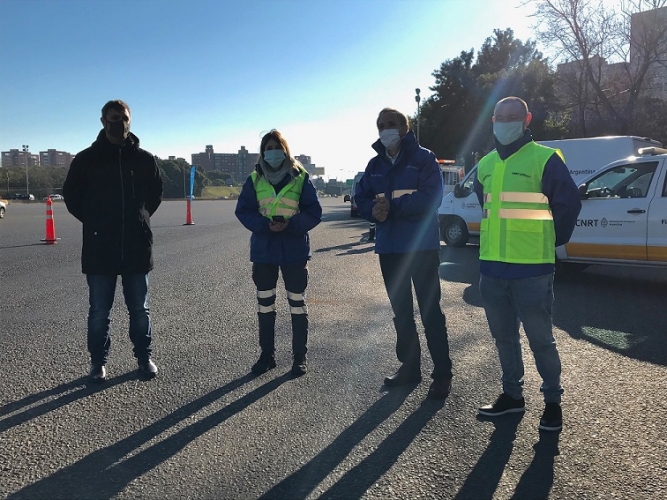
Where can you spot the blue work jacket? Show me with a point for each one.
(412, 224)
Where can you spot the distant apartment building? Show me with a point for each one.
(205, 160)
(53, 158)
(17, 158)
(238, 165)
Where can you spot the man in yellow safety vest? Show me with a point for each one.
(530, 205)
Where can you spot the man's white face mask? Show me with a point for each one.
(390, 138)
(507, 132)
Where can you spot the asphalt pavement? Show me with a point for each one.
(206, 429)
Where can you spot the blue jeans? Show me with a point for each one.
(529, 301)
(102, 289)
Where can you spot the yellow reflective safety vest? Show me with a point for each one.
(517, 225)
(285, 203)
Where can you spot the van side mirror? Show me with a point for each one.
(460, 191)
(583, 192)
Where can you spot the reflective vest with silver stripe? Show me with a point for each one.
(285, 203)
(517, 225)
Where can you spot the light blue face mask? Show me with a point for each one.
(274, 157)
(507, 132)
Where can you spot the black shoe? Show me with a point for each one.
(265, 362)
(403, 376)
(97, 373)
(440, 388)
(503, 405)
(147, 368)
(552, 418)
(300, 365)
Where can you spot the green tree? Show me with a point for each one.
(455, 122)
(176, 178)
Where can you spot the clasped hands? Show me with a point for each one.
(276, 226)
(380, 209)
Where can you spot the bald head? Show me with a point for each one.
(511, 109)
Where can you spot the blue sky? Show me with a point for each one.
(198, 72)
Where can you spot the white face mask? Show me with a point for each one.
(390, 138)
(274, 157)
(507, 132)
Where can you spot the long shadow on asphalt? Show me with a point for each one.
(85, 389)
(537, 480)
(355, 247)
(485, 475)
(356, 481)
(106, 472)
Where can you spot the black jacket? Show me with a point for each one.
(114, 190)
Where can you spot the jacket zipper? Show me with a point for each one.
(122, 204)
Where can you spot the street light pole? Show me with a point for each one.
(26, 155)
(417, 98)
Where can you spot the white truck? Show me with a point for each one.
(460, 213)
(623, 218)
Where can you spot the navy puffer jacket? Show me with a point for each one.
(412, 224)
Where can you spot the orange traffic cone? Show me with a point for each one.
(188, 214)
(50, 225)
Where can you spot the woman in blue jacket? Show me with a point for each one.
(279, 204)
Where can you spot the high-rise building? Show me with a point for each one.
(205, 160)
(53, 158)
(238, 165)
(16, 158)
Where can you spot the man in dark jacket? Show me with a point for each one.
(113, 187)
(401, 191)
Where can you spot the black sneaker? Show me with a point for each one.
(265, 362)
(300, 365)
(97, 373)
(503, 405)
(148, 368)
(552, 418)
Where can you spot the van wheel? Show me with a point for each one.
(454, 231)
(2, 212)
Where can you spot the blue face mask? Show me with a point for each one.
(274, 157)
(507, 132)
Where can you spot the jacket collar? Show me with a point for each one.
(408, 144)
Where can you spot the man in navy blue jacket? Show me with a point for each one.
(400, 191)
(531, 206)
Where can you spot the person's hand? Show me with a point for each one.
(277, 227)
(380, 210)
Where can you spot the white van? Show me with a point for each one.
(623, 217)
(460, 214)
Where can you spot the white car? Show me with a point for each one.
(3, 207)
